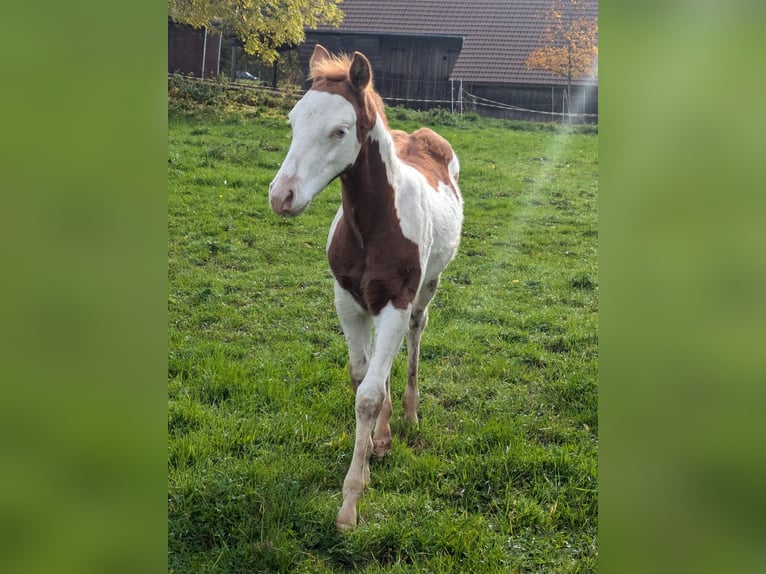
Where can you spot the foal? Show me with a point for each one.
(396, 230)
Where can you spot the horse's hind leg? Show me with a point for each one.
(418, 322)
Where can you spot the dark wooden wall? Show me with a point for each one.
(539, 98)
(406, 69)
(185, 47)
(413, 71)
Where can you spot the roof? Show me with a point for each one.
(498, 34)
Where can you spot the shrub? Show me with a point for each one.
(187, 92)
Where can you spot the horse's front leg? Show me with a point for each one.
(390, 328)
(357, 329)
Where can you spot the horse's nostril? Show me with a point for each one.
(283, 193)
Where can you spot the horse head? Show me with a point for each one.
(329, 124)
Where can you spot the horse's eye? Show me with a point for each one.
(340, 133)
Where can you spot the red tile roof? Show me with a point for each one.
(498, 34)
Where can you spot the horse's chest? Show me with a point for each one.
(375, 269)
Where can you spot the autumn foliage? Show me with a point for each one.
(569, 41)
(262, 25)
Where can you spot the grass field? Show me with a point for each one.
(500, 476)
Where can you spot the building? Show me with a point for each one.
(469, 53)
(190, 50)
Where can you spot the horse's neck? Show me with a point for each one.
(386, 149)
(369, 185)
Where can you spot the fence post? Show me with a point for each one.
(563, 101)
(204, 53)
(452, 96)
(461, 97)
(218, 64)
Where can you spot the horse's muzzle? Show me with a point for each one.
(282, 196)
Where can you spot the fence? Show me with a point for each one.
(540, 115)
(460, 101)
(541, 103)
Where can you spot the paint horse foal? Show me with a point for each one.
(396, 230)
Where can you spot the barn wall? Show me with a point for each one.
(413, 71)
(416, 70)
(369, 45)
(539, 98)
(407, 70)
(185, 47)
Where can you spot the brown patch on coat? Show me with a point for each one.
(428, 152)
(369, 255)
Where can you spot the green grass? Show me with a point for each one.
(500, 476)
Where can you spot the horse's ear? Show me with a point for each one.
(360, 73)
(320, 53)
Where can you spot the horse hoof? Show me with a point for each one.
(345, 523)
(382, 447)
(344, 527)
(411, 419)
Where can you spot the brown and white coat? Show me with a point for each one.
(397, 229)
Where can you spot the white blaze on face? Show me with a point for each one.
(324, 144)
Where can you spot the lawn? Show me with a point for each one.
(500, 476)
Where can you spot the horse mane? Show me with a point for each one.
(334, 68)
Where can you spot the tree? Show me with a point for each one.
(262, 25)
(569, 42)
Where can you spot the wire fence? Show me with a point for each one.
(479, 101)
(297, 93)
(459, 103)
